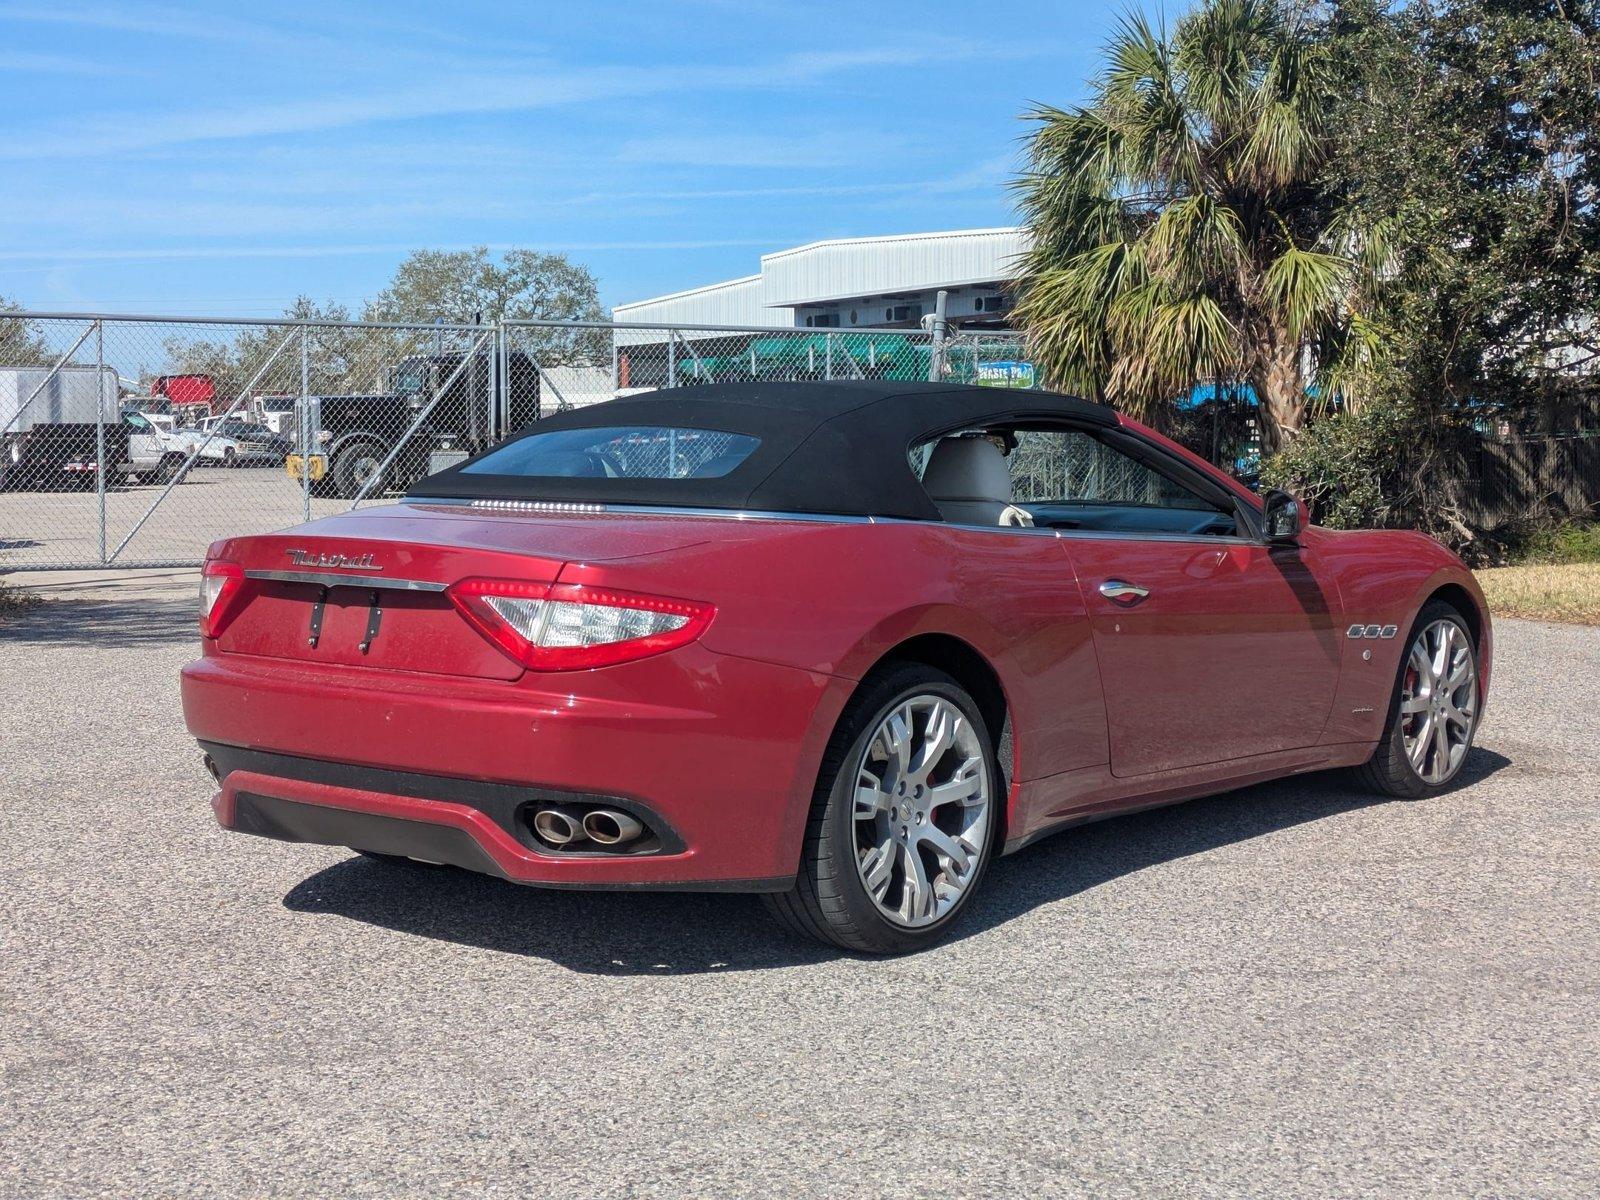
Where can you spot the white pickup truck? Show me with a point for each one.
(213, 449)
(56, 424)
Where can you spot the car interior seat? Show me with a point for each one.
(968, 480)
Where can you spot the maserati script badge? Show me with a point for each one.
(333, 562)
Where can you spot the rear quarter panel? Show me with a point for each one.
(835, 598)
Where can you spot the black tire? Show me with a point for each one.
(171, 464)
(1389, 771)
(348, 466)
(230, 457)
(829, 902)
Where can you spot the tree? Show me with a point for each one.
(1473, 127)
(1469, 128)
(21, 340)
(267, 357)
(1183, 228)
(463, 286)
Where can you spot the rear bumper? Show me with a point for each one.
(456, 834)
(443, 769)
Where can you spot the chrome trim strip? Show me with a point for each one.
(1196, 539)
(546, 508)
(1199, 539)
(339, 579)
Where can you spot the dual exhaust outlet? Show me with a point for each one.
(602, 826)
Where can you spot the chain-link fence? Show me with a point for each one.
(136, 442)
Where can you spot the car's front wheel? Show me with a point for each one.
(1433, 713)
(904, 819)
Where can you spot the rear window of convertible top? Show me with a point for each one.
(620, 452)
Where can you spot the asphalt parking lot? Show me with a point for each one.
(1289, 990)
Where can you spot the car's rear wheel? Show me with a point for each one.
(1433, 713)
(904, 818)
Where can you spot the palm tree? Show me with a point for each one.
(1182, 230)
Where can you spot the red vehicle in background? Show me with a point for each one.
(192, 394)
(837, 643)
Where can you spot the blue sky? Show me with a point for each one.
(226, 158)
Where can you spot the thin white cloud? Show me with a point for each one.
(156, 19)
(840, 149)
(204, 207)
(175, 253)
(451, 96)
(58, 64)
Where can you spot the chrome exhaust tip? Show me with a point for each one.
(608, 827)
(556, 827)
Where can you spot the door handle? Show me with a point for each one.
(1123, 592)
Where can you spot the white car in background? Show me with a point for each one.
(217, 450)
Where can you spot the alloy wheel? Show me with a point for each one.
(921, 810)
(1438, 701)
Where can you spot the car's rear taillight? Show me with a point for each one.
(571, 627)
(220, 585)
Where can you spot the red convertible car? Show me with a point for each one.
(838, 643)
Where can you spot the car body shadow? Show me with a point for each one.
(673, 933)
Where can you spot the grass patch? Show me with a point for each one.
(1544, 592)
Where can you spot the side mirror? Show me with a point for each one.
(1283, 518)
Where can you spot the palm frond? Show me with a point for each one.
(1305, 286)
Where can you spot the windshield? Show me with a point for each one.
(620, 452)
(410, 377)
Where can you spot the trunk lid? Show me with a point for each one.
(366, 590)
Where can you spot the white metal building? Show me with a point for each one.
(844, 283)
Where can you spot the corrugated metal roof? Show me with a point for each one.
(838, 269)
(842, 268)
(733, 302)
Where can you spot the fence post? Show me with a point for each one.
(100, 426)
(500, 387)
(940, 329)
(828, 371)
(672, 358)
(307, 434)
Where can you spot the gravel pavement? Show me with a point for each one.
(1289, 990)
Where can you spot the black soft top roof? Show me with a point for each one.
(824, 447)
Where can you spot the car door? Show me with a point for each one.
(1212, 645)
(144, 443)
